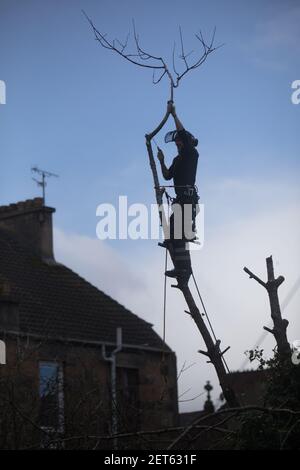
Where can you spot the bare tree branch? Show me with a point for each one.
(191, 399)
(253, 276)
(155, 82)
(173, 59)
(141, 57)
(233, 413)
(289, 433)
(101, 38)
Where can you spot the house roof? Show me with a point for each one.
(58, 303)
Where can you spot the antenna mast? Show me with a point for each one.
(44, 174)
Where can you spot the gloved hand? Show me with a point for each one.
(160, 155)
(171, 107)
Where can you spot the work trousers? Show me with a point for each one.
(182, 229)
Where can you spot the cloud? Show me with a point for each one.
(276, 38)
(280, 30)
(238, 307)
(97, 262)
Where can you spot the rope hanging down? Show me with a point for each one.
(165, 296)
(209, 322)
(166, 267)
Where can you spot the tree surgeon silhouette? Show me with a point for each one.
(185, 205)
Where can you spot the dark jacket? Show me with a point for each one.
(184, 167)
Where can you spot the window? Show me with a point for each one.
(128, 400)
(51, 396)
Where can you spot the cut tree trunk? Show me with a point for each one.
(280, 324)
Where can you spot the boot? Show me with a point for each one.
(181, 261)
(182, 275)
(165, 244)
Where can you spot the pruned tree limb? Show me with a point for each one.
(253, 276)
(213, 349)
(269, 330)
(280, 325)
(152, 134)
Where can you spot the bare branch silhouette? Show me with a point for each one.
(145, 59)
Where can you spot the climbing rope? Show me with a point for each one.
(169, 199)
(208, 320)
(165, 296)
(163, 360)
(204, 309)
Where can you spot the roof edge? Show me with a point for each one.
(167, 349)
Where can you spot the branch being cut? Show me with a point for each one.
(158, 191)
(144, 59)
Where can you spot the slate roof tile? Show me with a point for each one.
(57, 302)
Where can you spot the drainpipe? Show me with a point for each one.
(2, 353)
(113, 369)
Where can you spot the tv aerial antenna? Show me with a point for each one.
(42, 182)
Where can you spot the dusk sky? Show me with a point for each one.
(81, 111)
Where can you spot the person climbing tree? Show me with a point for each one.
(183, 171)
(185, 205)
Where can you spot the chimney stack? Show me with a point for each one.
(31, 223)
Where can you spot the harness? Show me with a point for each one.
(189, 196)
(190, 192)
